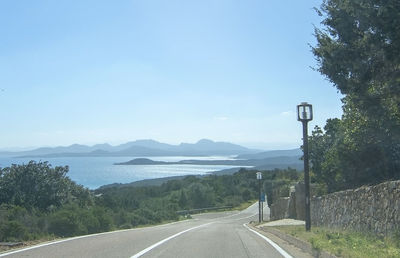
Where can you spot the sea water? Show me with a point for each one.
(93, 172)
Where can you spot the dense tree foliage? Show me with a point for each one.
(37, 200)
(358, 50)
(39, 185)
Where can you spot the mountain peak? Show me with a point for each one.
(205, 141)
(145, 141)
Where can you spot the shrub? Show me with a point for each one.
(12, 231)
(65, 223)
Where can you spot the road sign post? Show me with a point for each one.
(262, 197)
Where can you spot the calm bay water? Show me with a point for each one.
(94, 172)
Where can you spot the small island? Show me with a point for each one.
(144, 161)
(275, 162)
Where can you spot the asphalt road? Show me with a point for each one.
(221, 234)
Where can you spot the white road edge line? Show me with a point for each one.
(167, 239)
(277, 247)
(84, 236)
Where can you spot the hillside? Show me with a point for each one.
(272, 153)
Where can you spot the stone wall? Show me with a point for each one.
(291, 207)
(280, 209)
(284, 207)
(369, 208)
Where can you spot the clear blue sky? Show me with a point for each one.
(175, 71)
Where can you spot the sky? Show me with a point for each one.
(97, 71)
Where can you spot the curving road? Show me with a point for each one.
(220, 234)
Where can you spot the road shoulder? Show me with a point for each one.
(293, 245)
(293, 250)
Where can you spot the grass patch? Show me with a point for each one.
(346, 243)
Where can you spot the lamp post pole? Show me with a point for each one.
(304, 114)
(259, 177)
(306, 176)
(259, 201)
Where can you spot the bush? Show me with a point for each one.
(38, 185)
(13, 231)
(73, 220)
(65, 223)
(246, 195)
(104, 219)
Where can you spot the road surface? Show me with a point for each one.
(221, 234)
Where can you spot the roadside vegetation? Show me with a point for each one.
(38, 201)
(347, 243)
(358, 51)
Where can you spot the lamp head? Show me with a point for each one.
(304, 112)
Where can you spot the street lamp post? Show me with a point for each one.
(259, 177)
(305, 114)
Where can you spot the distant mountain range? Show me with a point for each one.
(139, 148)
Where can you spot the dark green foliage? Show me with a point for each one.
(246, 195)
(277, 183)
(183, 201)
(65, 223)
(327, 155)
(39, 185)
(13, 230)
(358, 51)
(37, 199)
(192, 193)
(72, 220)
(17, 223)
(201, 195)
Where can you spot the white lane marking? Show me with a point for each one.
(227, 216)
(167, 239)
(277, 247)
(243, 211)
(246, 217)
(85, 236)
(112, 232)
(240, 213)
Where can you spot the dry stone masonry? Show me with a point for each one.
(369, 208)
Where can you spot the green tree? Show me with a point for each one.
(13, 230)
(201, 196)
(39, 185)
(358, 50)
(183, 201)
(325, 157)
(66, 222)
(246, 195)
